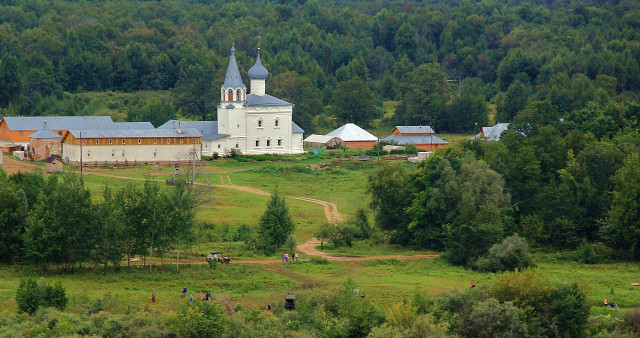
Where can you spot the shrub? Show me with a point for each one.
(511, 254)
(215, 156)
(569, 311)
(593, 253)
(201, 319)
(342, 235)
(632, 320)
(361, 222)
(491, 318)
(319, 260)
(30, 296)
(27, 296)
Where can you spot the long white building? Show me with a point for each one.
(132, 145)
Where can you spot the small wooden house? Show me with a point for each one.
(422, 137)
(54, 164)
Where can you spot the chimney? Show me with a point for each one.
(179, 128)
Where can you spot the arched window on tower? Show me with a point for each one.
(238, 97)
(230, 98)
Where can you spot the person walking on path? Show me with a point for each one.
(153, 297)
(201, 296)
(190, 297)
(184, 292)
(295, 257)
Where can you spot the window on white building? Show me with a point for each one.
(139, 141)
(219, 146)
(110, 141)
(277, 122)
(97, 141)
(124, 142)
(268, 143)
(257, 143)
(260, 122)
(279, 142)
(237, 145)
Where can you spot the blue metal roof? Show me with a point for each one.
(413, 139)
(45, 133)
(265, 100)
(415, 129)
(208, 129)
(136, 133)
(233, 78)
(295, 128)
(59, 122)
(258, 71)
(133, 125)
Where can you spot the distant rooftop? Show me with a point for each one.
(136, 133)
(351, 132)
(415, 129)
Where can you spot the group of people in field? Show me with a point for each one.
(285, 257)
(610, 304)
(204, 296)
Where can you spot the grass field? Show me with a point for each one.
(248, 285)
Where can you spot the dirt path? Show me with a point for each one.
(12, 166)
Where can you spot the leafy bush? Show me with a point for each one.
(511, 254)
(27, 296)
(343, 235)
(593, 253)
(491, 318)
(200, 319)
(632, 320)
(30, 296)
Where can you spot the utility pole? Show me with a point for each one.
(80, 154)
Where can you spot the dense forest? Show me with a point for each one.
(443, 60)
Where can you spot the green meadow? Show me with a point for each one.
(325, 177)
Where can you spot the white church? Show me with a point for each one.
(249, 123)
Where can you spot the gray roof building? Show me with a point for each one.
(45, 133)
(413, 139)
(295, 128)
(133, 125)
(136, 133)
(492, 133)
(415, 130)
(351, 132)
(233, 78)
(208, 129)
(58, 122)
(258, 71)
(265, 100)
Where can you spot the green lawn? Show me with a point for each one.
(341, 182)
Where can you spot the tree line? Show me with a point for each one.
(562, 183)
(54, 221)
(442, 60)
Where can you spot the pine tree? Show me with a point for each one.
(276, 223)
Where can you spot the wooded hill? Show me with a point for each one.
(442, 60)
